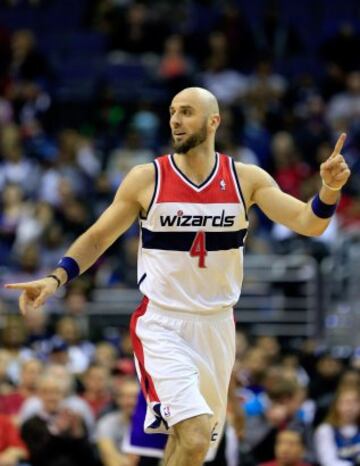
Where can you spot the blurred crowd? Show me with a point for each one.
(66, 400)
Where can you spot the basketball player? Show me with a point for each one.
(192, 207)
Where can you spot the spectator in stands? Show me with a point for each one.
(12, 208)
(27, 63)
(227, 84)
(175, 67)
(52, 245)
(38, 332)
(271, 346)
(337, 439)
(324, 383)
(289, 449)
(13, 338)
(122, 159)
(79, 352)
(254, 367)
(113, 427)
(289, 171)
(35, 219)
(97, 388)
(344, 108)
(56, 435)
(15, 168)
(281, 412)
(12, 448)
(106, 356)
(11, 403)
(33, 406)
(266, 88)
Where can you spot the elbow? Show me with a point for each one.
(315, 231)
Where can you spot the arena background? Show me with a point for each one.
(84, 92)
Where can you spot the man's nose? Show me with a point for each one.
(174, 121)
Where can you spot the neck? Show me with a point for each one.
(197, 163)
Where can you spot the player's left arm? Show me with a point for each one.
(311, 218)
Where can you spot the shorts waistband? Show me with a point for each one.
(215, 314)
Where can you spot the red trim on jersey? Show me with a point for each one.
(173, 188)
(147, 384)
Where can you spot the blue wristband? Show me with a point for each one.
(70, 266)
(321, 209)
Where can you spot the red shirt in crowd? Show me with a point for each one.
(11, 403)
(9, 435)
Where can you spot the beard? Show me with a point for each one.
(192, 141)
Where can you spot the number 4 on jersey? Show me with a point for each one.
(198, 248)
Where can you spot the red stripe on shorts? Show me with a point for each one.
(147, 384)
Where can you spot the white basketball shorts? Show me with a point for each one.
(184, 362)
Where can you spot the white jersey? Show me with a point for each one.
(191, 244)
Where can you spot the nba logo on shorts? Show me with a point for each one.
(166, 411)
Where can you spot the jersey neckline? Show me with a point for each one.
(205, 183)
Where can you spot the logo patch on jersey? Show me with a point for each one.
(222, 185)
(181, 220)
(166, 411)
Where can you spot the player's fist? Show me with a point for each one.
(335, 171)
(35, 293)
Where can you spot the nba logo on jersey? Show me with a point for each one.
(222, 185)
(166, 411)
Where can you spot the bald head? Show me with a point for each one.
(194, 119)
(199, 98)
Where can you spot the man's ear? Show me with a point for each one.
(215, 121)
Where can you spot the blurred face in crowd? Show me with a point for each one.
(289, 448)
(269, 345)
(67, 329)
(194, 117)
(35, 321)
(329, 367)
(255, 362)
(30, 373)
(13, 332)
(51, 391)
(22, 42)
(126, 396)
(12, 195)
(105, 355)
(96, 379)
(348, 406)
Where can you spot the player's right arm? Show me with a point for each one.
(129, 201)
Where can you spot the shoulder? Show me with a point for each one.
(324, 430)
(144, 172)
(250, 173)
(137, 180)
(252, 178)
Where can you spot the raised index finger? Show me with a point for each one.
(18, 286)
(339, 145)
